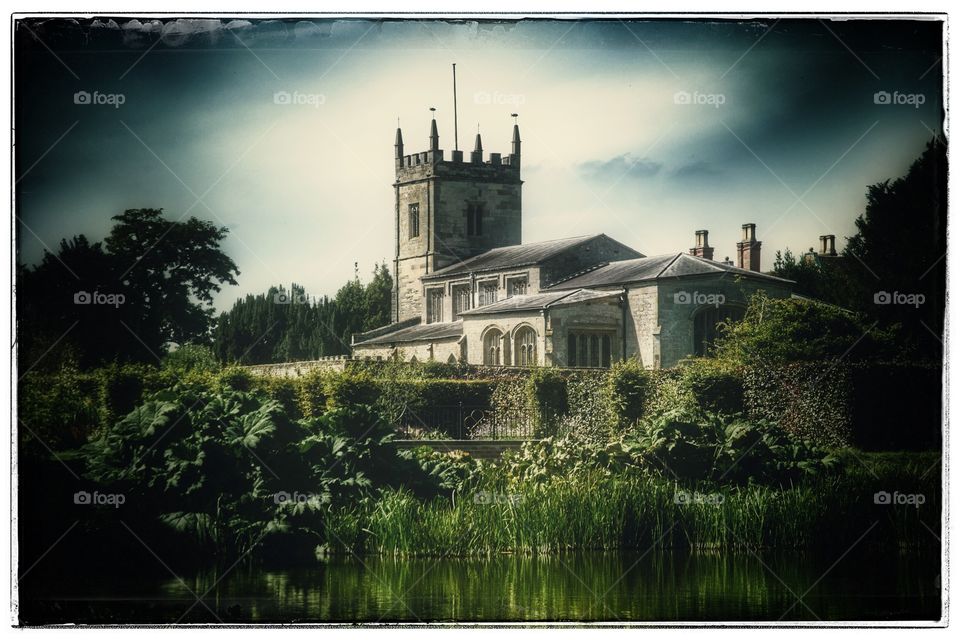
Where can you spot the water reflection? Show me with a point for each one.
(675, 586)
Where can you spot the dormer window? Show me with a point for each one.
(516, 286)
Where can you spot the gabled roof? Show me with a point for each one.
(538, 301)
(417, 333)
(519, 255)
(674, 265)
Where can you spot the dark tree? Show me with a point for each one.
(900, 248)
(284, 325)
(151, 283)
(893, 270)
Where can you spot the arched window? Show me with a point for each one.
(492, 343)
(525, 347)
(705, 325)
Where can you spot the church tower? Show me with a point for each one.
(447, 210)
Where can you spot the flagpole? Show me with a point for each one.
(456, 142)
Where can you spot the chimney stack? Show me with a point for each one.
(828, 246)
(748, 249)
(702, 248)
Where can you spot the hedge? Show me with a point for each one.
(870, 406)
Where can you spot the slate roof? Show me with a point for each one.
(672, 265)
(417, 333)
(519, 255)
(537, 301)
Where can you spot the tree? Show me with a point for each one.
(893, 269)
(284, 325)
(900, 247)
(781, 330)
(149, 284)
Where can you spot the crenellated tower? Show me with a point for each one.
(448, 210)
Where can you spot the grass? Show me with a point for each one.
(597, 512)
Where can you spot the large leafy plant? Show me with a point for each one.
(694, 445)
(230, 469)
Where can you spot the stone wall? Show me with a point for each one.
(643, 326)
(446, 350)
(297, 369)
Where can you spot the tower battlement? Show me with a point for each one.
(417, 166)
(425, 164)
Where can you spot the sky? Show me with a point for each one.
(283, 130)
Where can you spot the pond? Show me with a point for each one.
(657, 586)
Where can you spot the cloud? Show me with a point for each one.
(623, 166)
(697, 170)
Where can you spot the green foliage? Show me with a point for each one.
(702, 446)
(455, 471)
(714, 385)
(546, 399)
(235, 378)
(121, 389)
(779, 331)
(191, 358)
(349, 388)
(284, 391)
(589, 416)
(311, 393)
(228, 469)
(287, 325)
(58, 411)
(809, 400)
(628, 390)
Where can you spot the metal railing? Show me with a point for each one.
(464, 422)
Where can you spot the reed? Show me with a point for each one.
(596, 512)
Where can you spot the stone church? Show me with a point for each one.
(467, 289)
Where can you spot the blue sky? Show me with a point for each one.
(643, 130)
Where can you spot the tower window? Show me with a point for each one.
(474, 219)
(413, 221)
